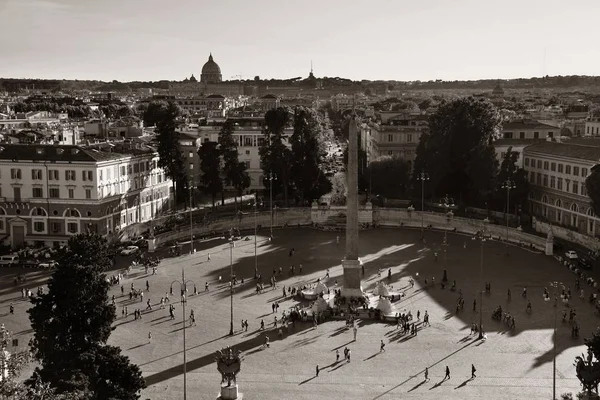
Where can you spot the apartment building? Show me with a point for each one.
(528, 129)
(557, 173)
(592, 126)
(212, 106)
(48, 193)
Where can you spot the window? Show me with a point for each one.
(191, 165)
(568, 169)
(536, 135)
(584, 172)
(87, 175)
(52, 174)
(546, 165)
(100, 176)
(553, 167)
(54, 193)
(390, 138)
(539, 179)
(108, 174)
(508, 135)
(123, 170)
(70, 175)
(142, 167)
(15, 173)
(576, 171)
(550, 134)
(71, 193)
(532, 177)
(191, 154)
(560, 168)
(55, 227)
(247, 152)
(39, 212)
(559, 184)
(527, 162)
(36, 174)
(73, 213)
(39, 226)
(129, 169)
(546, 180)
(38, 192)
(575, 187)
(552, 182)
(583, 190)
(521, 135)
(136, 168)
(88, 193)
(409, 138)
(539, 164)
(72, 227)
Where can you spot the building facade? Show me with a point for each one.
(592, 126)
(49, 193)
(557, 173)
(528, 129)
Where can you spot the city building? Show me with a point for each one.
(557, 173)
(211, 106)
(189, 144)
(592, 126)
(528, 129)
(515, 145)
(48, 193)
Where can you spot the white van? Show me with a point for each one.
(9, 260)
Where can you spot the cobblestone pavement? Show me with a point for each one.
(510, 364)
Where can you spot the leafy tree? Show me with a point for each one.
(389, 176)
(210, 165)
(171, 158)
(458, 153)
(307, 149)
(154, 112)
(592, 185)
(509, 171)
(72, 323)
(425, 104)
(234, 172)
(275, 156)
(338, 190)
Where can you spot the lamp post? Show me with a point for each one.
(423, 176)
(555, 286)
(480, 235)
(231, 284)
(508, 185)
(449, 216)
(255, 229)
(270, 177)
(191, 220)
(183, 287)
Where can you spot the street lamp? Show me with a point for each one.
(270, 176)
(191, 220)
(423, 176)
(449, 215)
(231, 244)
(255, 229)
(481, 236)
(555, 286)
(508, 185)
(183, 287)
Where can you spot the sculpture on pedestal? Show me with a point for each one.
(588, 372)
(229, 364)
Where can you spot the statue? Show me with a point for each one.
(229, 363)
(588, 372)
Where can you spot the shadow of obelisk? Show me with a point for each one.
(351, 263)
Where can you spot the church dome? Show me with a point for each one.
(211, 72)
(498, 90)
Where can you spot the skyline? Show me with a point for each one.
(141, 40)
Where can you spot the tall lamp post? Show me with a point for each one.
(270, 176)
(231, 244)
(555, 286)
(191, 220)
(482, 237)
(423, 176)
(508, 185)
(255, 229)
(449, 215)
(183, 288)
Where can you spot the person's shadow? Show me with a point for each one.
(464, 383)
(438, 384)
(418, 385)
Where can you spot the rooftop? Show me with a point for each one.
(526, 124)
(70, 153)
(570, 150)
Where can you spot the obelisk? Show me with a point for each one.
(351, 263)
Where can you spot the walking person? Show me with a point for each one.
(447, 376)
(149, 337)
(426, 374)
(317, 370)
(337, 355)
(355, 330)
(382, 347)
(473, 376)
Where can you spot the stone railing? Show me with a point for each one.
(566, 234)
(281, 217)
(336, 215)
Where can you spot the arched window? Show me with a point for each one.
(544, 208)
(2, 211)
(544, 199)
(38, 212)
(591, 225)
(558, 211)
(574, 219)
(72, 213)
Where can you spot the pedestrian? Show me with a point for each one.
(474, 304)
(206, 286)
(509, 294)
(11, 309)
(149, 337)
(195, 290)
(418, 315)
(355, 329)
(447, 376)
(426, 374)
(267, 344)
(337, 355)
(208, 258)
(348, 355)
(300, 267)
(317, 370)
(147, 286)
(262, 324)
(382, 347)
(473, 371)
(122, 290)
(337, 240)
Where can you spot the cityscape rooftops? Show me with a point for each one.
(70, 153)
(526, 124)
(570, 150)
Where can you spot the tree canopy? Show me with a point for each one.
(389, 177)
(72, 323)
(458, 153)
(275, 155)
(510, 173)
(234, 171)
(210, 165)
(592, 185)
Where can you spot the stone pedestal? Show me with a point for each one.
(352, 272)
(230, 393)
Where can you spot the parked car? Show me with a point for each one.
(584, 263)
(9, 260)
(571, 254)
(129, 250)
(29, 263)
(48, 264)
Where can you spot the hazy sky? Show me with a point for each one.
(367, 39)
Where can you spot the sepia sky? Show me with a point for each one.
(375, 39)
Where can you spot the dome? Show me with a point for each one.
(211, 72)
(498, 90)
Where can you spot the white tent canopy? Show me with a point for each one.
(385, 305)
(381, 289)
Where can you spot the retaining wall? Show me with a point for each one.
(566, 234)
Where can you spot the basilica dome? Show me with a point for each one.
(211, 73)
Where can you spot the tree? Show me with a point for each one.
(72, 323)
(154, 112)
(275, 156)
(171, 158)
(234, 172)
(210, 165)
(338, 190)
(307, 148)
(592, 185)
(458, 153)
(509, 171)
(389, 176)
